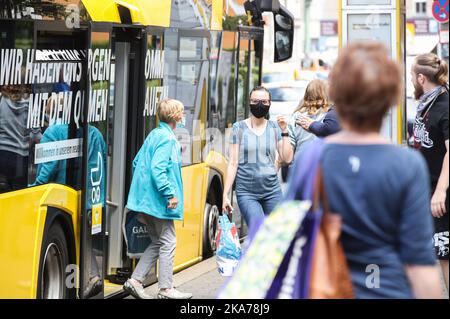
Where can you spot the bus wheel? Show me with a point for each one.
(54, 260)
(211, 226)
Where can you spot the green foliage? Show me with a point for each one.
(231, 23)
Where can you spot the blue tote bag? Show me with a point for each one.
(136, 234)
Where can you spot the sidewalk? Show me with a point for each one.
(444, 289)
(202, 280)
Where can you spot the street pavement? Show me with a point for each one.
(202, 280)
(444, 289)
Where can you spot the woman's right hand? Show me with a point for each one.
(226, 206)
(173, 203)
(305, 122)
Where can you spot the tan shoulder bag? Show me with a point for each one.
(330, 275)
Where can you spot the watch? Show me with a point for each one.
(285, 134)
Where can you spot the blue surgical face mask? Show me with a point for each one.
(182, 123)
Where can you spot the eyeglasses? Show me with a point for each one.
(264, 102)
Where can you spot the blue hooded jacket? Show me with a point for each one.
(157, 176)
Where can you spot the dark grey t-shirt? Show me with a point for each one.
(256, 173)
(14, 134)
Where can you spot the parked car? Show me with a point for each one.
(272, 77)
(286, 97)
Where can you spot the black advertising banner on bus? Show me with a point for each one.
(94, 163)
(155, 88)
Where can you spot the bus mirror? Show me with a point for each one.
(269, 6)
(284, 35)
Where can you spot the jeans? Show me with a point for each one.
(254, 208)
(162, 235)
(13, 171)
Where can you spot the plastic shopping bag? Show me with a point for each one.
(259, 266)
(136, 234)
(277, 262)
(228, 247)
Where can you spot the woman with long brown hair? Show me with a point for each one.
(315, 106)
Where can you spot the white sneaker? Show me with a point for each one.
(173, 294)
(136, 290)
(93, 288)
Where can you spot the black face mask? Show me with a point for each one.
(259, 110)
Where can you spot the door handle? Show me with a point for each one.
(112, 204)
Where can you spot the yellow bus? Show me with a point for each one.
(79, 83)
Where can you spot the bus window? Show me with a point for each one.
(190, 14)
(223, 59)
(40, 91)
(95, 163)
(215, 116)
(43, 10)
(15, 136)
(249, 72)
(243, 78)
(187, 81)
(155, 90)
(255, 61)
(62, 128)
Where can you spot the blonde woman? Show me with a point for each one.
(157, 192)
(314, 107)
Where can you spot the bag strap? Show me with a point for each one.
(320, 197)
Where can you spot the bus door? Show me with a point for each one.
(250, 52)
(94, 161)
(132, 115)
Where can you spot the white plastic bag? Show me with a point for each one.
(228, 247)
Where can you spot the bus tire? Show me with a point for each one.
(53, 263)
(210, 229)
